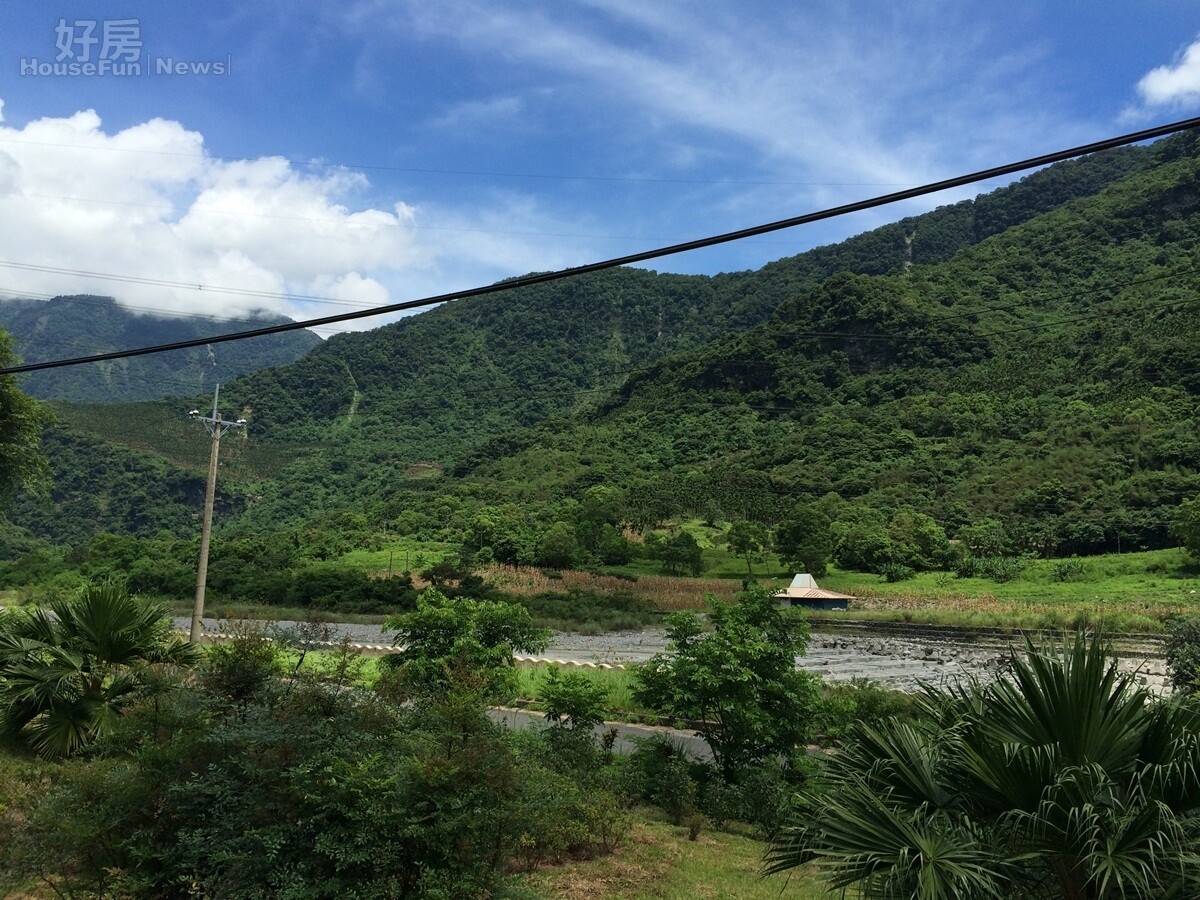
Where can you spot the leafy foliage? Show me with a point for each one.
(929, 372)
(67, 670)
(1183, 653)
(443, 639)
(739, 682)
(21, 423)
(572, 699)
(1067, 780)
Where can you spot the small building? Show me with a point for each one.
(805, 593)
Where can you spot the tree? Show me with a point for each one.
(1185, 525)
(22, 418)
(739, 681)
(920, 542)
(681, 554)
(558, 546)
(573, 698)
(602, 506)
(986, 539)
(803, 539)
(747, 538)
(864, 546)
(444, 639)
(67, 670)
(1065, 780)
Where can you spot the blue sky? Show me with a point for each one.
(499, 138)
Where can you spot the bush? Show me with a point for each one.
(997, 568)
(859, 701)
(1066, 569)
(573, 699)
(894, 572)
(1183, 653)
(239, 668)
(1001, 568)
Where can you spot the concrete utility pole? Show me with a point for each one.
(216, 427)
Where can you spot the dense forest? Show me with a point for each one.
(1023, 361)
(83, 325)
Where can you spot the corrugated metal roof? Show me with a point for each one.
(804, 587)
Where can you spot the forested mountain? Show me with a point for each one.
(83, 325)
(939, 362)
(1047, 376)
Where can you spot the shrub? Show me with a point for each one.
(1183, 653)
(573, 699)
(1066, 569)
(240, 667)
(1001, 568)
(894, 572)
(859, 701)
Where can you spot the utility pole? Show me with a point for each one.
(216, 427)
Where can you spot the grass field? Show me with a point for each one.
(401, 554)
(1119, 592)
(658, 861)
(617, 682)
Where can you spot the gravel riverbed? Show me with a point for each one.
(900, 663)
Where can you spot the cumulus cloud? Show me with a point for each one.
(149, 202)
(1177, 84)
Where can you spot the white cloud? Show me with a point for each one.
(473, 113)
(843, 98)
(1174, 85)
(151, 203)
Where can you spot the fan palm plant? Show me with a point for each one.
(66, 670)
(1065, 780)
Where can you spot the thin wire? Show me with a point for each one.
(346, 221)
(531, 389)
(643, 256)
(459, 172)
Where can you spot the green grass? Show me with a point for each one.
(617, 682)
(719, 562)
(402, 554)
(1121, 592)
(224, 609)
(658, 861)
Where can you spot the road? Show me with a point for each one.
(627, 735)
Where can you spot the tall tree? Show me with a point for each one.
(21, 420)
(747, 538)
(738, 680)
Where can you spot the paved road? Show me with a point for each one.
(627, 735)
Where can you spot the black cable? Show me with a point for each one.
(644, 256)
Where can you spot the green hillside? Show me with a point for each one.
(899, 369)
(1047, 376)
(84, 325)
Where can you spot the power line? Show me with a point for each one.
(540, 390)
(458, 172)
(183, 285)
(643, 256)
(343, 222)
